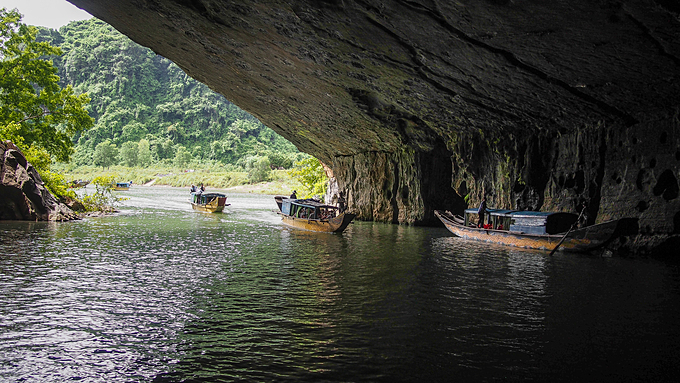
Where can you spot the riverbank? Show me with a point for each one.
(280, 182)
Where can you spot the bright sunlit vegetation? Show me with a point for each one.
(146, 120)
(37, 113)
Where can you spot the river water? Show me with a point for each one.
(160, 293)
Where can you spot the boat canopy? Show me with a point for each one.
(211, 195)
(204, 198)
(494, 219)
(529, 222)
(306, 208)
(490, 211)
(534, 222)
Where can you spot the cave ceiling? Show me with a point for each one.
(343, 77)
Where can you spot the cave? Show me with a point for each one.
(415, 106)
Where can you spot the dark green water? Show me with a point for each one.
(165, 294)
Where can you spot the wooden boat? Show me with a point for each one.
(309, 214)
(122, 186)
(528, 229)
(209, 202)
(78, 184)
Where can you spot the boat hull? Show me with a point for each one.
(79, 184)
(216, 205)
(207, 208)
(333, 225)
(579, 240)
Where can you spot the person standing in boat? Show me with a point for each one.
(481, 212)
(583, 216)
(341, 202)
(198, 194)
(294, 195)
(193, 189)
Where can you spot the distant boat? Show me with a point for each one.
(310, 214)
(78, 184)
(122, 186)
(529, 229)
(209, 202)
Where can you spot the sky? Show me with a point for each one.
(46, 13)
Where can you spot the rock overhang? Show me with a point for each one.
(420, 105)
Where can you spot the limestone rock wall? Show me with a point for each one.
(403, 187)
(641, 176)
(23, 195)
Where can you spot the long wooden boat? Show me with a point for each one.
(78, 184)
(209, 202)
(122, 185)
(531, 230)
(309, 214)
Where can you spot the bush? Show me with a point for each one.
(57, 185)
(102, 200)
(258, 169)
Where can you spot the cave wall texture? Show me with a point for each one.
(417, 105)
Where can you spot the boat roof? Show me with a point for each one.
(531, 214)
(490, 211)
(309, 203)
(501, 211)
(211, 194)
(516, 213)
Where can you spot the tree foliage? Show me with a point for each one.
(105, 154)
(311, 174)
(35, 110)
(143, 153)
(36, 113)
(129, 153)
(145, 99)
(182, 156)
(103, 198)
(258, 168)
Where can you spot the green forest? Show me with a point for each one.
(148, 112)
(86, 103)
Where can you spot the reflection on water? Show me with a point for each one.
(163, 293)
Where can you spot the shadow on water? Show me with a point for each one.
(163, 293)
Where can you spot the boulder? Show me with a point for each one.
(23, 195)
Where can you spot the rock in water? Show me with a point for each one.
(23, 195)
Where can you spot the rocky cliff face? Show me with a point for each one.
(423, 105)
(23, 195)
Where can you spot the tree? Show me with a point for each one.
(311, 174)
(39, 111)
(129, 152)
(143, 153)
(134, 131)
(258, 169)
(279, 159)
(105, 154)
(182, 156)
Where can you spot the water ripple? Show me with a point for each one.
(163, 293)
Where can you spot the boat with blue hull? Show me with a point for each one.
(122, 186)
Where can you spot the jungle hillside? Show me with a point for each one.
(154, 123)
